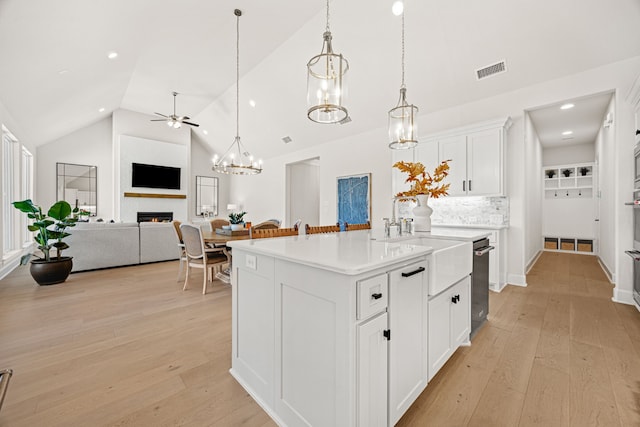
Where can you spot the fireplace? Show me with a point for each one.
(155, 216)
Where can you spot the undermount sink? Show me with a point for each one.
(450, 262)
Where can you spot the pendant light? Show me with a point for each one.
(326, 83)
(237, 160)
(403, 127)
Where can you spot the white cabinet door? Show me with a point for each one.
(460, 312)
(455, 149)
(398, 178)
(439, 332)
(449, 323)
(407, 323)
(427, 154)
(484, 154)
(372, 373)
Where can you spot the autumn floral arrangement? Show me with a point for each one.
(422, 182)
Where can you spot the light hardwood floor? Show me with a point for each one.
(127, 347)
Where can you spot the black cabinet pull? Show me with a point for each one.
(376, 296)
(455, 299)
(416, 271)
(464, 185)
(469, 185)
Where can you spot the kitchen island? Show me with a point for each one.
(333, 329)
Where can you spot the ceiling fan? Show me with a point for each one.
(174, 120)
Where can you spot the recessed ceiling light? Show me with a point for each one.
(252, 103)
(61, 72)
(567, 132)
(101, 110)
(206, 132)
(567, 106)
(397, 8)
(112, 55)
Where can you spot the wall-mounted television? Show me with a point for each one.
(154, 176)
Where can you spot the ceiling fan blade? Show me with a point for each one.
(191, 124)
(158, 120)
(160, 114)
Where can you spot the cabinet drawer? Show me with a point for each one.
(372, 296)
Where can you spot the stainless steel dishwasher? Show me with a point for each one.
(480, 284)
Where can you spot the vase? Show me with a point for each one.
(235, 227)
(422, 214)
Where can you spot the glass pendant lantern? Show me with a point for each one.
(326, 78)
(403, 125)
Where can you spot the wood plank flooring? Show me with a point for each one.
(127, 347)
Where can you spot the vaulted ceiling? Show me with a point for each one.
(55, 74)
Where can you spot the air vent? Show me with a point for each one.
(286, 139)
(490, 70)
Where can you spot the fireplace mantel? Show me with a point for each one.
(156, 195)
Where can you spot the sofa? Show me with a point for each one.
(97, 245)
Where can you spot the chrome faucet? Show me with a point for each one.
(398, 223)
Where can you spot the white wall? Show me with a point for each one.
(201, 165)
(263, 196)
(577, 153)
(368, 152)
(139, 125)
(604, 157)
(88, 146)
(304, 193)
(533, 211)
(149, 151)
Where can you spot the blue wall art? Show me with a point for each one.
(354, 198)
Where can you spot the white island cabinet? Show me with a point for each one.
(332, 329)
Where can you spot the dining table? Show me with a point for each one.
(219, 239)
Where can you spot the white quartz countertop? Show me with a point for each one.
(350, 253)
(464, 234)
(481, 226)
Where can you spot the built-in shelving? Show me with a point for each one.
(569, 181)
(568, 244)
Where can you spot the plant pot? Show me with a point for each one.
(551, 174)
(235, 227)
(51, 272)
(584, 171)
(567, 173)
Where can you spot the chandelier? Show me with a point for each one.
(325, 83)
(403, 128)
(237, 160)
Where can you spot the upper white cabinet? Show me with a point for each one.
(477, 153)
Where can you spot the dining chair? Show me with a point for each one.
(218, 223)
(266, 225)
(272, 232)
(365, 226)
(183, 255)
(199, 256)
(316, 229)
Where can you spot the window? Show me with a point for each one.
(9, 170)
(26, 190)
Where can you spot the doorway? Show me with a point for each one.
(303, 192)
(572, 140)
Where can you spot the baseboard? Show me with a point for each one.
(623, 297)
(257, 399)
(606, 270)
(532, 261)
(517, 279)
(497, 288)
(9, 266)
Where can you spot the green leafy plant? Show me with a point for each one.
(236, 217)
(51, 228)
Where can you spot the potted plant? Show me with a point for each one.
(50, 231)
(423, 185)
(235, 219)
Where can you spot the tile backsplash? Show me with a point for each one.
(465, 210)
(470, 211)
